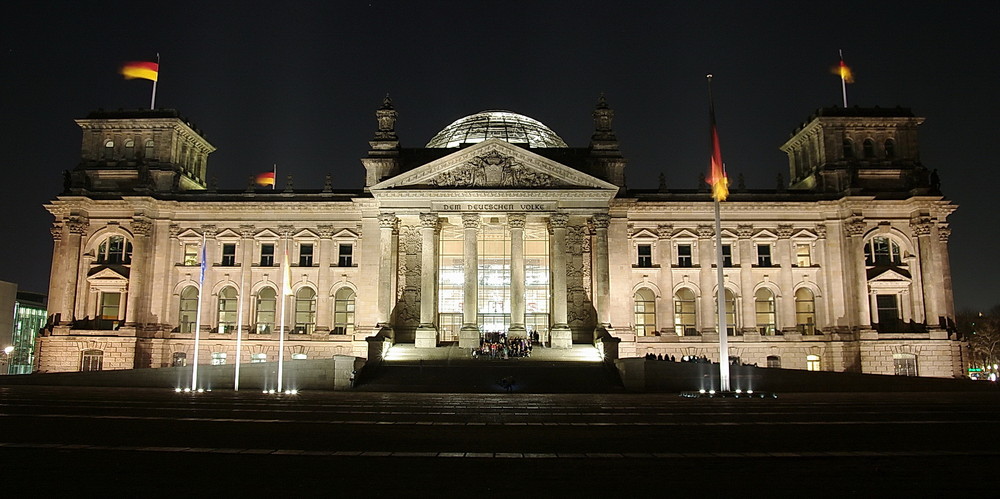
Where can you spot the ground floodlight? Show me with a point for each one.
(701, 391)
(201, 390)
(187, 390)
(749, 392)
(178, 389)
(711, 392)
(739, 391)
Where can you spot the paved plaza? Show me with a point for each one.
(149, 442)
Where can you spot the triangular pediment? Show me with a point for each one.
(189, 234)
(493, 163)
(346, 234)
(108, 274)
(684, 234)
(765, 234)
(305, 234)
(645, 234)
(804, 234)
(227, 235)
(267, 234)
(888, 274)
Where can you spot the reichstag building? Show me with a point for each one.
(497, 225)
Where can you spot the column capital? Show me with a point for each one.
(209, 230)
(855, 226)
(142, 227)
(744, 231)
(821, 231)
(602, 220)
(516, 220)
(784, 231)
(921, 226)
(247, 231)
(175, 230)
(471, 220)
(77, 225)
(429, 220)
(705, 231)
(387, 220)
(286, 230)
(558, 220)
(664, 231)
(943, 232)
(57, 231)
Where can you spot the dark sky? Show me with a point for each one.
(297, 84)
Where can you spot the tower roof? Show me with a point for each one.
(504, 125)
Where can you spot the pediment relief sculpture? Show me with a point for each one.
(494, 169)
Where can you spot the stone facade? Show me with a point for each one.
(843, 269)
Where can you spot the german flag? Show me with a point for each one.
(140, 69)
(266, 178)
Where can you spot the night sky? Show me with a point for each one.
(297, 84)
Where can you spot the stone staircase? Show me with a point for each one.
(448, 369)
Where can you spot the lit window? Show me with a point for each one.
(267, 255)
(92, 360)
(266, 306)
(890, 149)
(905, 364)
(190, 254)
(684, 255)
(305, 311)
(813, 363)
(179, 359)
(805, 311)
(869, 148)
(305, 255)
(645, 312)
(130, 149)
(774, 361)
(257, 358)
(343, 311)
(149, 150)
(109, 149)
(227, 310)
(229, 255)
(763, 255)
(764, 308)
(730, 312)
(803, 255)
(685, 315)
(109, 313)
(299, 356)
(188, 309)
(114, 250)
(727, 255)
(881, 250)
(345, 255)
(218, 358)
(645, 258)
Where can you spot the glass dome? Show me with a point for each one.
(504, 125)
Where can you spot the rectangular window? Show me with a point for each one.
(684, 255)
(218, 358)
(190, 254)
(345, 255)
(306, 255)
(267, 255)
(92, 360)
(803, 258)
(229, 255)
(763, 255)
(258, 358)
(727, 255)
(645, 256)
(888, 312)
(905, 364)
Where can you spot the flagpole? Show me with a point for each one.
(152, 101)
(239, 327)
(197, 320)
(843, 81)
(720, 297)
(281, 329)
(274, 170)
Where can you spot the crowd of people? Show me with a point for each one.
(693, 358)
(496, 345)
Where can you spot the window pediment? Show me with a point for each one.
(227, 235)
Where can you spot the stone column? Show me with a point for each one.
(602, 270)
(747, 261)
(324, 300)
(517, 303)
(386, 269)
(922, 229)
(665, 302)
(863, 305)
(65, 268)
(559, 333)
(945, 265)
(209, 305)
(427, 333)
(246, 277)
(706, 281)
(468, 336)
(135, 313)
(786, 302)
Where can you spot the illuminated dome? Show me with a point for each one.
(504, 125)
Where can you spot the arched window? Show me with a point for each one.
(266, 305)
(685, 315)
(645, 312)
(227, 310)
(92, 360)
(305, 311)
(148, 152)
(765, 311)
(188, 309)
(109, 149)
(882, 250)
(343, 311)
(774, 361)
(890, 149)
(905, 364)
(179, 359)
(114, 250)
(130, 149)
(848, 149)
(805, 311)
(813, 363)
(869, 148)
